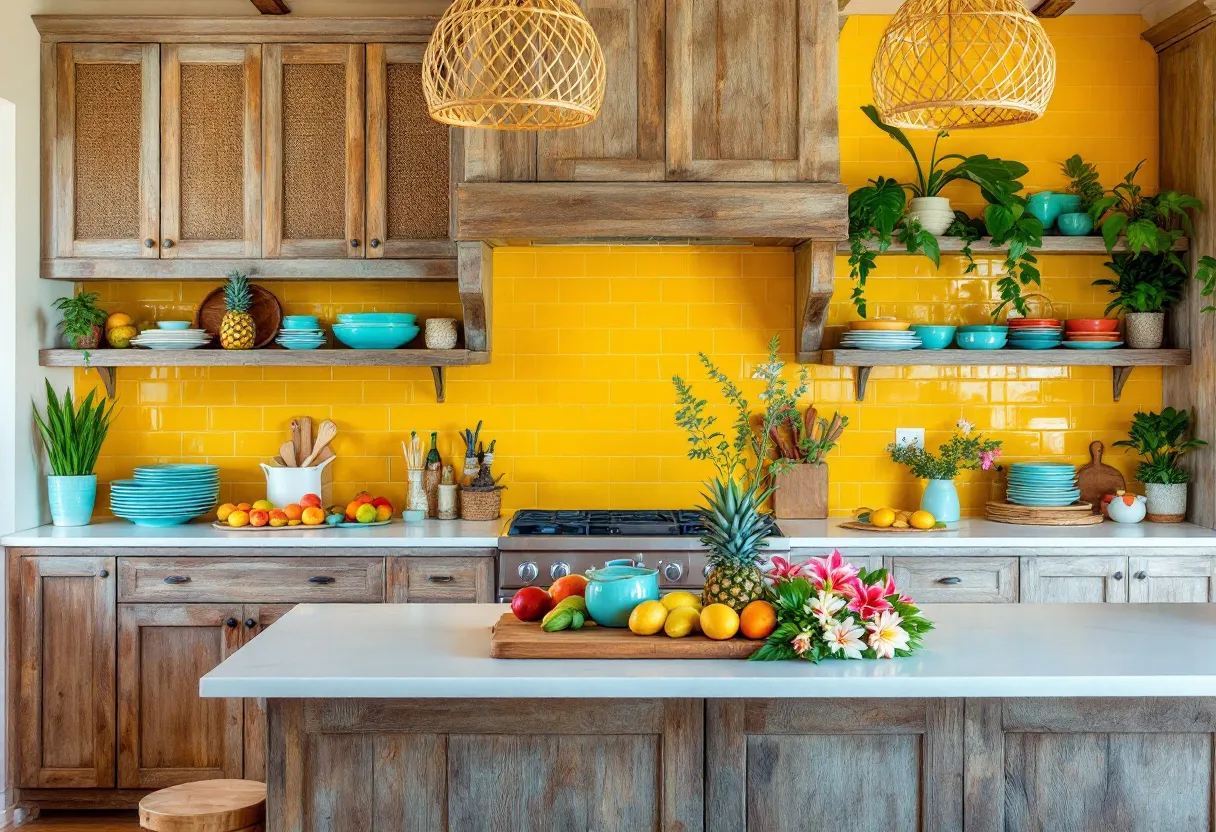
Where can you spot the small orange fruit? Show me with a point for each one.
(278, 517)
(719, 622)
(351, 508)
(313, 516)
(259, 517)
(244, 506)
(238, 518)
(223, 511)
(568, 585)
(294, 522)
(384, 513)
(758, 620)
(293, 511)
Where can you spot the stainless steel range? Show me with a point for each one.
(542, 546)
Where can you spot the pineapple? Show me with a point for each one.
(734, 532)
(237, 330)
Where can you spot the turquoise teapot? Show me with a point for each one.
(613, 591)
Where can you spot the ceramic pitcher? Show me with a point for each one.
(285, 486)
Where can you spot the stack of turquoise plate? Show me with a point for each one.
(166, 495)
(1047, 484)
(863, 340)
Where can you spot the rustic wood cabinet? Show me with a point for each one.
(441, 580)
(1074, 580)
(957, 580)
(211, 154)
(66, 687)
(257, 618)
(627, 141)
(102, 122)
(1167, 580)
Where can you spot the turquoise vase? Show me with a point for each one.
(71, 499)
(941, 500)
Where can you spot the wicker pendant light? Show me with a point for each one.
(962, 64)
(514, 65)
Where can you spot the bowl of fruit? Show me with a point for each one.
(264, 515)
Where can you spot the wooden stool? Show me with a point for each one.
(207, 806)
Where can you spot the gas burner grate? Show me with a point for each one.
(606, 523)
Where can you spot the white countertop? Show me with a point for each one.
(977, 650)
(802, 534)
(428, 533)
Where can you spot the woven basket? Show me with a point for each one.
(480, 505)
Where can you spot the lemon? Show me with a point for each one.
(675, 600)
(882, 518)
(647, 618)
(719, 622)
(682, 621)
(922, 520)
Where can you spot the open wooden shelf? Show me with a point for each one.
(1051, 246)
(1121, 361)
(440, 267)
(106, 361)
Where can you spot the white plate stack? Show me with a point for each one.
(171, 339)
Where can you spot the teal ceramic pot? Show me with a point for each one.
(613, 592)
(1075, 224)
(1044, 207)
(71, 499)
(941, 500)
(1065, 204)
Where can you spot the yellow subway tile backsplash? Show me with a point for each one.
(586, 339)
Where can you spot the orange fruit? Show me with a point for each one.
(223, 511)
(384, 513)
(259, 517)
(313, 516)
(278, 517)
(238, 518)
(310, 501)
(352, 509)
(758, 620)
(293, 511)
(244, 506)
(567, 586)
(719, 622)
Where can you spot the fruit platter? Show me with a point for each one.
(364, 511)
(893, 520)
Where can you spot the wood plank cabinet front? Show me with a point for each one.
(1170, 580)
(1074, 580)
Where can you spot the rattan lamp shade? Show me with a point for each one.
(962, 64)
(514, 65)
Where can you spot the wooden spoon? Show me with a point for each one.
(325, 434)
(298, 450)
(305, 436)
(288, 451)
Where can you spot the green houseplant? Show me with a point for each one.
(1160, 438)
(1143, 288)
(735, 527)
(82, 321)
(1084, 184)
(72, 437)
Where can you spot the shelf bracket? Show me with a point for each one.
(439, 374)
(814, 272)
(861, 376)
(1119, 376)
(107, 378)
(475, 276)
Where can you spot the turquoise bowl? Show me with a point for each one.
(613, 592)
(1075, 225)
(1065, 204)
(374, 336)
(172, 325)
(301, 322)
(981, 340)
(377, 318)
(1044, 207)
(935, 337)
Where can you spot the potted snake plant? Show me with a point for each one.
(1160, 440)
(73, 437)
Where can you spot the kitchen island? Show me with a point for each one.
(1013, 717)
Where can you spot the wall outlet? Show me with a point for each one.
(910, 436)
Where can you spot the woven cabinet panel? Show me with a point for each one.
(213, 160)
(418, 162)
(108, 110)
(314, 151)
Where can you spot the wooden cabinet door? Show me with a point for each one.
(1080, 580)
(409, 165)
(441, 580)
(104, 114)
(626, 142)
(257, 618)
(314, 150)
(167, 733)
(211, 150)
(751, 91)
(65, 697)
(1169, 580)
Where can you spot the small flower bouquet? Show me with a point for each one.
(965, 451)
(829, 609)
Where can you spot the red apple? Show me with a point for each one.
(531, 603)
(382, 501)
(310, 501)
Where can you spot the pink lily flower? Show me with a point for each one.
(781, 569)
(988, 458)
(830, 570)
(866, 601)
(888, 589)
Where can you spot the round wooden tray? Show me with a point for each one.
(266, 311)
(866, 527)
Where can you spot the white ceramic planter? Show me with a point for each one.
(1145, 330)
(1166, 503)
(933, 213)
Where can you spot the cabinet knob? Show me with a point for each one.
(103, 573)
(1141, 575)
(439, 579)
(951, 581)
(1118, 576)
(375, 242)
(167, 244)
(354, 242)
(250, 623)
(229, 622)
(149, 243)
(177, 579)
(320, 579)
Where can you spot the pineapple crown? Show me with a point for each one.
(238, 297)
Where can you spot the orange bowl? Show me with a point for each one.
(880, 325)
(1094, 336)
(1093, 325)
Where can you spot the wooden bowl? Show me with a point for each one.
(266, 311)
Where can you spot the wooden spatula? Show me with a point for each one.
(1097, 479)
(288, 451)
(298, 449)
(325, 434)
(305, 437)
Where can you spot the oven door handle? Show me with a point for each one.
(621, 562)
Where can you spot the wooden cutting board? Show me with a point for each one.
(515, 639)
(1097, 479)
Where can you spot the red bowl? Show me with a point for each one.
(1036, 322)
(1093, 325)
